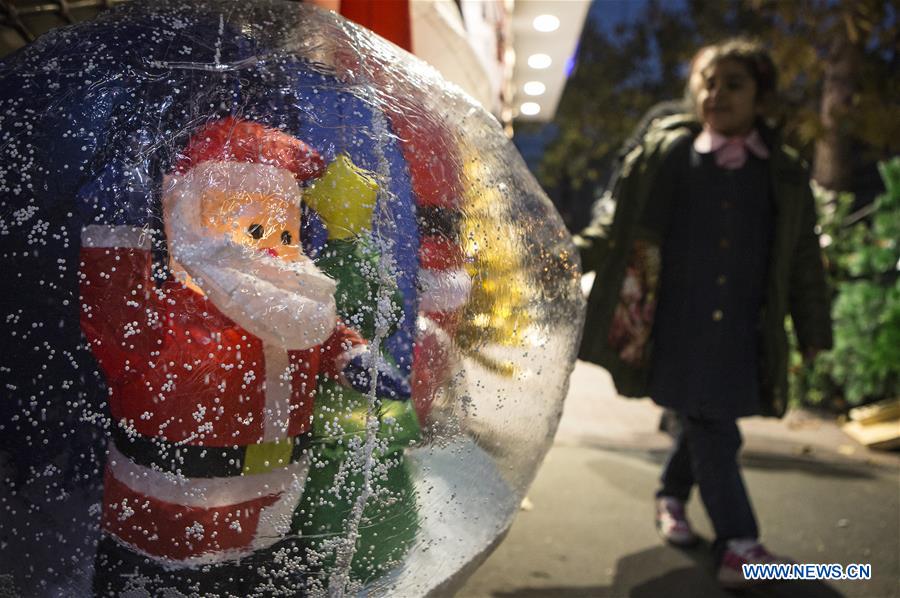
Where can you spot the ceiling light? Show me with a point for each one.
(546, 23)
(539, 61)
(534, 88)
(530, 108)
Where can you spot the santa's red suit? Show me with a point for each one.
(208, 455)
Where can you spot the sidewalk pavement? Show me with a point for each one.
(588, 532)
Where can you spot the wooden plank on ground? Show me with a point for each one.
(880, 435)
(876, 412)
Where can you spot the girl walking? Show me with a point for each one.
(711, 245)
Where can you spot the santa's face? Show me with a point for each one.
(267, 222)
(232, 230)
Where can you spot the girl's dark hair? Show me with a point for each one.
(755, 58)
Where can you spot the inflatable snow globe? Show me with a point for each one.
(283, 312)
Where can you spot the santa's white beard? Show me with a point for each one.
(287, 304)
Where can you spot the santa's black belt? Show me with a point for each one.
(193, 461)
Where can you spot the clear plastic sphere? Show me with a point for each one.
(283, 312)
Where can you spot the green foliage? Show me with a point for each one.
(863, 259)
(806, 34)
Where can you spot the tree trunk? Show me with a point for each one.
(833, 165)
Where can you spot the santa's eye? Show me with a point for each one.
(256, 231)
(285, 237)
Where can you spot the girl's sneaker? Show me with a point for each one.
(672, 523)
(740, 552)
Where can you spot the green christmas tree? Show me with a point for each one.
(863, 256)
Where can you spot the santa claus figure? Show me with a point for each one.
(212, 372)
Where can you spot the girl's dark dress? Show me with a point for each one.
(718, 229)
(714, 257)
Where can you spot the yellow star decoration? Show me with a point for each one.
(344, 197)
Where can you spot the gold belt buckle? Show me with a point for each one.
(266, 456)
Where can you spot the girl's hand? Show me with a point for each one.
(809, 355)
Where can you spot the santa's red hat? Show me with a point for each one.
(235, 155)
(234, 140)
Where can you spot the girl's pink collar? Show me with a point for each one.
(710, 141)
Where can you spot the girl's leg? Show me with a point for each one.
(713, 447)
(677, 479)
(677, 475)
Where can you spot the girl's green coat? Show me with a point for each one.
(796, 280)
